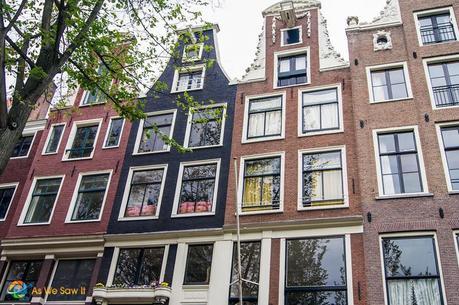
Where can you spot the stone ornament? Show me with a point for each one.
(382, 41)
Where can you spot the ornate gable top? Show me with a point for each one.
(300, 5)
(390, 14)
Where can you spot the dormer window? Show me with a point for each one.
(292, 68)
(188, 79)
(192, 52)
(436, 26)
(291, 36)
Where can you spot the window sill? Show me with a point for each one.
(204, 147)
(21, 157)
(76, 159)
(81, 221)
(449, 192)
(289, 86)
(138, 218)
(262, 139)
(446, 107)
(319, 133)
(260, 212)
(110, 147)
(291, 44)
(33, 224)
(182, 91)
(49, 154)
(151, 152)
(402, 196)
(192, 215)
(93, 104)
(325, 207)
(409, 98)
(195, 287)
(437, 43)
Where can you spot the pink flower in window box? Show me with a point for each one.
(133, 211)
(149, 210)
(184, 207)
(203, 206)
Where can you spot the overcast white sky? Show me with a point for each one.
(241, 22)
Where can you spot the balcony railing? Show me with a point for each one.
(446, 95)
(435, 34)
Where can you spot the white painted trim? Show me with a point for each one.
(379, 68)
(282, 261)
(68, 218)
(349, 276)
(436, 60)
(113, 265)
(456, 243)
(140, 131)
(300, 27)
(9, 185)
(412, 235)
(178, 188)
(108, 132)
(127, 189)
(185, 70)
(422, 170)
(444, 160)
(447, 9)
(27, 134)
(164, 263)
(342, 149)
(265, 271)
(189, 123)
(245, 125)
(305, 50)
(51, 129)
(185, 59)
(7, 270)
(339, 91)
(240, 194)
(25, 209)
(72, 135)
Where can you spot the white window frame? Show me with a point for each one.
(140, 131)
(240, 191)
(422, 169)
(178, 189)
(300, 28)
(51, 129)
(27, 134)
(286, 53)
(107, 133)
(438, 128)
(411, 235)
(342, 149)
(436, 60)
(190, 121)
(127, 190)
(447, 9)
(339, 90)
(25, 209)
(186, 59)
(72, 135)
(9, 185)
(86, 96)
(245, 125)
(68, 218)
(456, 245)
(178, 71)
(378, 68)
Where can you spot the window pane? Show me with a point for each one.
(256, 125)
(381, 93)
(316, 298)
(291, 36)
(453, 68)
(205, 127)
(54, 139)
(252, 192)
(399, 91)
(389, 165)
(321, 96)
(114, 135)
(311, 118)
(262, 166)
(414, 291)
(144, 194)
(6, 195)
(378, 78)
(330, 116)
(386, 143)
(266, 104)
(198, 265)
(83, 144)
(436, 71)
(42, 202)
(151, 266)
(391, 184)
(412, 183)
(450, 137)
(250, 267)
(138, 267)
(284, 65)
(127, 266)
(322, 160)
(406, 141)
(200, 171)
(22, 147)
(91, 195)
(409, 163)
(300, 63)
(26, 271)
(333, 185)
(273, 123)
(396, 76)
(453, 159)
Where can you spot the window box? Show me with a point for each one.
(147, 295)
(82, 140)
(188, 79)
(205, 127)
(389, 83)
(436, 26)
(292, 68)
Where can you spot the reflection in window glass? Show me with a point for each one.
(26, 271)
(42, 202)
(114, 133)
(206, 127)
(265, 117)
(83, 142)
(320, 110)
(450, 137)
(389, 84)
(6, 196)
(54, 139)
(154, 128)
(291, 36)
(291, 70)
(198, 265)
(91, 194)
(436, 28)
(22, 147)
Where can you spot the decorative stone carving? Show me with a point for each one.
(352, 20)
(309, 23)
(382, 40)
(329, 57)
(390, 14)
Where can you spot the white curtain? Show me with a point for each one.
(256, 124)
(411, 292)
(333, 185)
(273, 123)
(330, 116)
(311, 118)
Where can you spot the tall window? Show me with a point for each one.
(189, 80)
(250, 267)
(411, 271)
(42, 201)
(320, 110)
(450, 137)
(323, 179)
(264, 117)
(436, 28)
(96, 96)
(22, 147)
(262, 184)
(389, 84)
(316, 272)
(444, 79)
(90, 198)
(114, 132)
(83, 141)
(138, 267)
(144, 193)
(54, 139)
(25, 271)
(198, 265)
(291, 70)
(74, 274)
(6, 196)
(400, 170)
(206, 127)
(197, 188)
(155, 127)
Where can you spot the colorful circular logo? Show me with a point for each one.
(17, 289)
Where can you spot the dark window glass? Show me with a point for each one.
(198, 265)
(436, 28)
(399, 163)
(6, 196)
(25, 271)
(450, 137)
(54, 139)
(320, 110)
(291, 36)
(444, 79)
(261, 184)
(192, 52)
(155, 128)
(22, 147)
(197, 189)
(138, 267)
(83, 143)
(72, 274)
(316, 272)
(411, 271)
(189, 81)
(250, 267)
(322, 179)
(389, 84)
(42, 202)
(265, 117)
(114, 133)
(96, 96)
(292, 70)
(90, 197)
(206, 127)
(144, 193)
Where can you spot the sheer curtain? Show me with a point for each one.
(330, 116)
(414, 292)
(273, 123)
(333, 185)
(256, 125)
